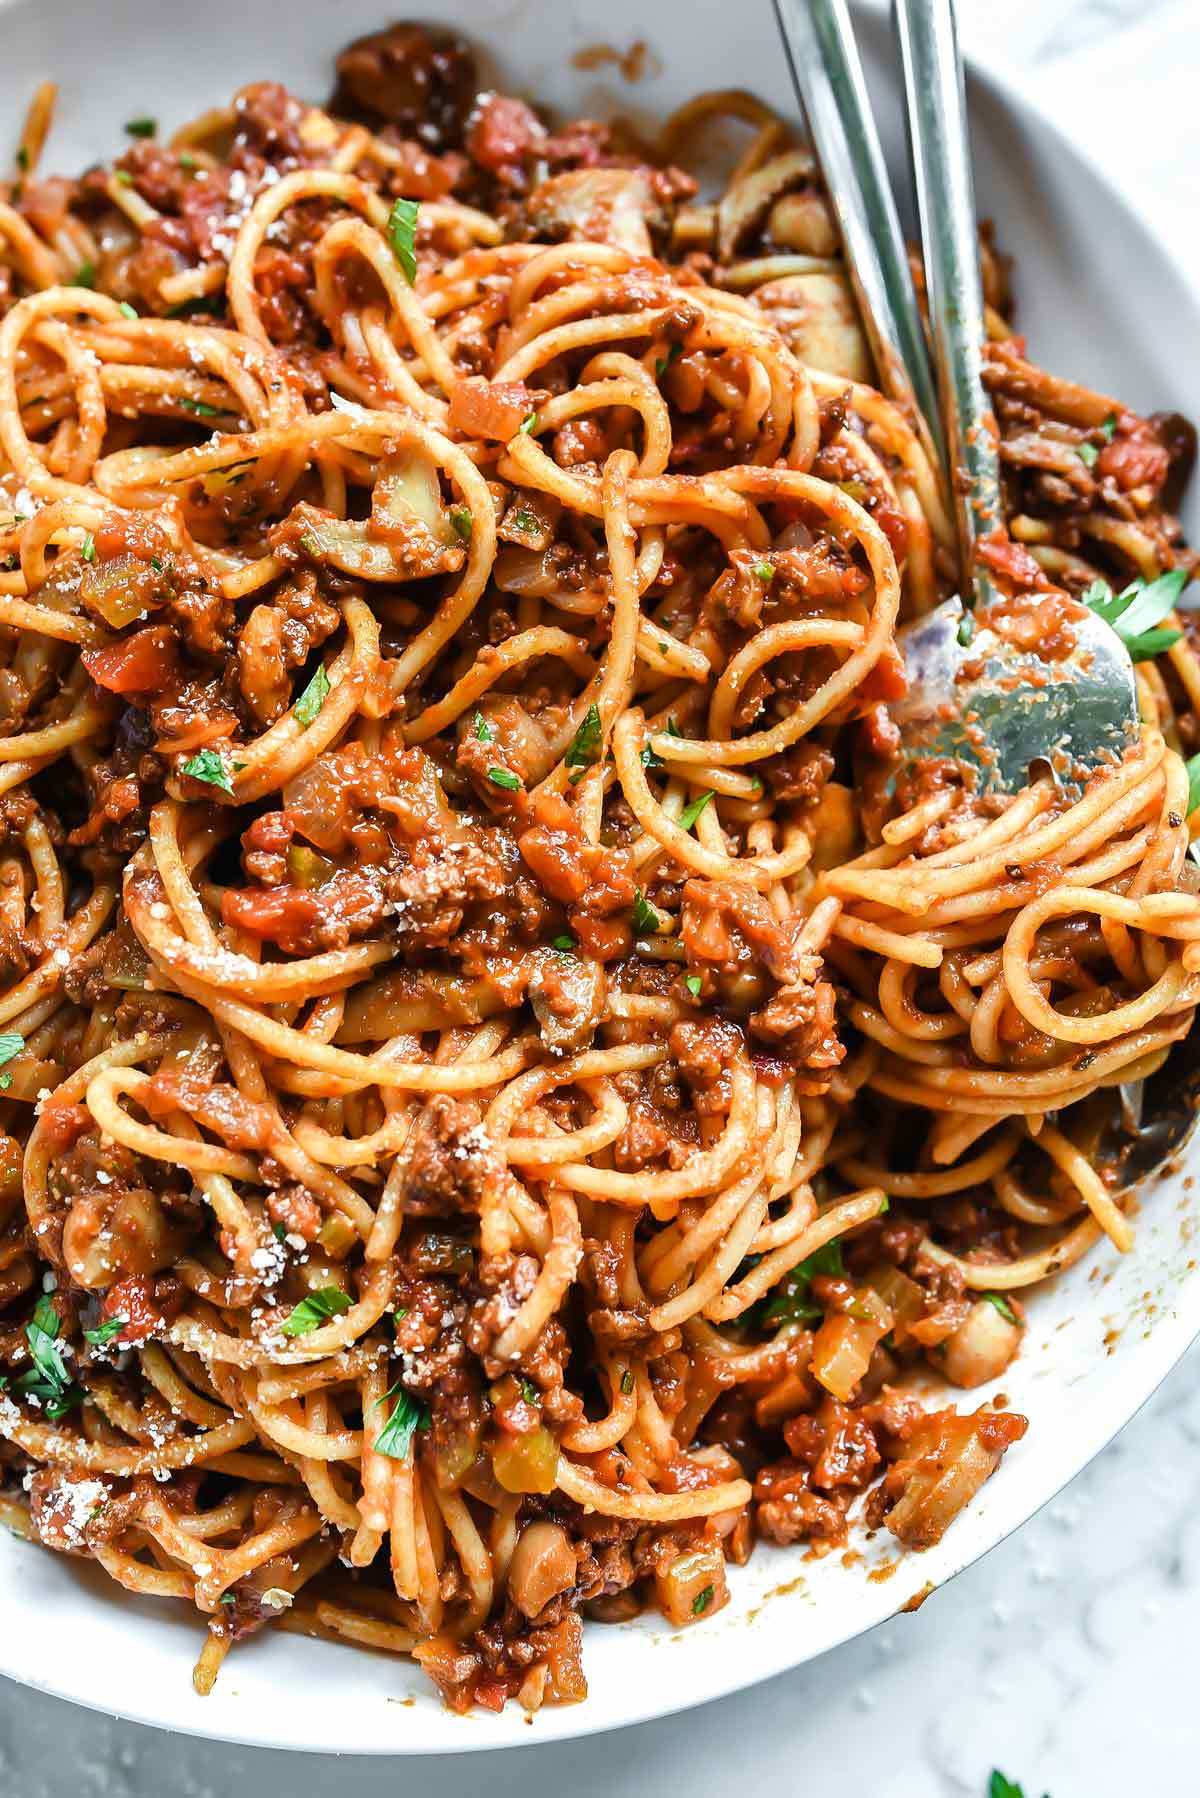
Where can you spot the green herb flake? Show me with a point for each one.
(201, 408)
(1137, 610)
(126, 310)
(402, 235)
(693, 809)
(1002, 1306)
(316, 1309)
(278, 1231)
(209, 766)
(585, 744)
(663, 363)
(23, 158)
(564, 944)
(501, 777)
(1108, 429)
(460, 518)
(48, 1380)
(792, 1300)
(483, 730)
(693, 984)
(141, 127)
(966, 630)
(11, 1043)
(395, 1439)
(645, 917)
(1193, 774)
(702, 1601)
(308, 706)
(85, 275)
(529, 1391)
(765, 571)
(649, 759)
(104, 1333)
(122, 177)
(87, 548)
(186, 160)
(1089, 455)
(529, 423)
(1000, 1787)
(525, 521)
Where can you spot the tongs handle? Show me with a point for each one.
(941, 158)
(829, 78)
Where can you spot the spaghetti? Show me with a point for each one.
(502, 1075)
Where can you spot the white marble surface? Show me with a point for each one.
(1067, 1657)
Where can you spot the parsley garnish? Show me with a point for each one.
(966, 629)
(10, 1044)
(524, 521)
(644, 915)
(1000, 1787)
(23, 158)
(1193, 773)
(200, 407)
(483, 730)
(702, 1601)
(105, 1332)
(87, 548)
(1089, 455)
(585, 744)
(85, 275)
(209, 766)
(663, 363)
(564, 944)
(1108, 429)
(649, 759)
(312, 699)
(126, 310)
(529, 422)
(141, 127)
(402, 235)
(1003, 1307)
(1135, 611)
(765, 571)
(310, 1313)
(792, 1301)
(693, 809)
(48, 1380)
(460, 518)
(396, 1437)
(500, 777)
(693, 984)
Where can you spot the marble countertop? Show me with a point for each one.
(1064, 1657)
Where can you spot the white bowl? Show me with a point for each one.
(1100, 300)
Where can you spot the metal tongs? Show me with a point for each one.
(971, 694)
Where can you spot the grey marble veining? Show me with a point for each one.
(1068, 1656)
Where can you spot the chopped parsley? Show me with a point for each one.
(23, 158)
(702, 1601)
(524, 521)
(122, 177)
(201, 408)
(209, 766)
(104, 1333)
(564, 944)
(765, 571)
(87, 548)
(310, 1313)
(1000, 1787)
(483, 730)
(48, 1380)
(649, 759)
(645, 917)
(693, 809)
(1108, 429)
(1089, 455)
(460, 518)
(308, 706)
(529, 423)
(792, 1301)
(1137, 610)
(402, 235)
(1193, 774)
(126, 310)
(663, 363)
(85, 275)
(966, 630)
(693, 984)
(585, 744)
(278, 1231)
(11, 1043)
(396, 1437)
(1003, 1307)
(501, 777)
(141, 127)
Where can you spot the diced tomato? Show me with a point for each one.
(495, 409)
(1134, 461)
(143, 663)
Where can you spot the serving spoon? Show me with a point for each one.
(972, 694)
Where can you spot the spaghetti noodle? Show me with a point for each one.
(502, 1076)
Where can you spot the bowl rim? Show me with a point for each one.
(720, 1676)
